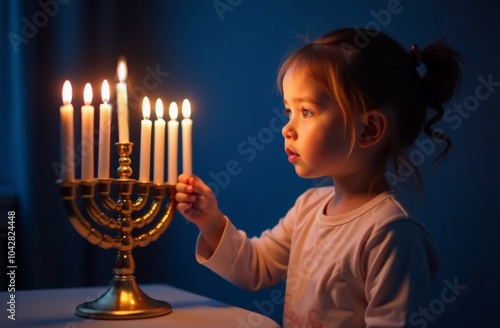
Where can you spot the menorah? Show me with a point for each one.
(123, 299)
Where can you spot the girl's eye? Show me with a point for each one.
(306, 112)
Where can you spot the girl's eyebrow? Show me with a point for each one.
(305, 99)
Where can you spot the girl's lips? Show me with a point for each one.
(292, 157)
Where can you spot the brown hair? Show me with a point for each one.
(364, 69)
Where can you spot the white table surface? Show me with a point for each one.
(56, 308)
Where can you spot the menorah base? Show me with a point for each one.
(123, 300)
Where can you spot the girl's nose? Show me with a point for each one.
(288, 131)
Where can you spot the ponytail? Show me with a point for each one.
(440, 82)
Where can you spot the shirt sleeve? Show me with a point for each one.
(251, 263)
(399, 262)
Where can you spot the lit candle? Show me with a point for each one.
(173, 139)
(122, 101)
(104, 132)
(187, 142)
(159, 161)
(145, 141)
(67, 134)
(87, 134)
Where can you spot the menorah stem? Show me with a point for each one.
(124, 264)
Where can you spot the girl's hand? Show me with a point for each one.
(197, 203)
(195, 200)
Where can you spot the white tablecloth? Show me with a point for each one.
(56, 308)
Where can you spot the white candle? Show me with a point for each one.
(87, 135)
(159, 157)
(187, 142)
(173, 140)
(104, 133)
(122, 101)
(146, 125)
(67, 134)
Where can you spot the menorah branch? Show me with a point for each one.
(81, 225)
(154, 209)
(164, 222)
(87, 190)
(143, 193)
(104, 190)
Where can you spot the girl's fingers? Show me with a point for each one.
(195, 199)
(183, 178)
(182, 207)
(182, 187)
(201, 188)
(185, 197)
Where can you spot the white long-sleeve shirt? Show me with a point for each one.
(371, 267)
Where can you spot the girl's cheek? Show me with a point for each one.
(305, 123)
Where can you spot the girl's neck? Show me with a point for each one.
(352, 192)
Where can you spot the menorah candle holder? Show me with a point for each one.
(123, 299)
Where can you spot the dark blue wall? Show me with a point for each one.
(226, 62)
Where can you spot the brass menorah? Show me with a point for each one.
(124, 299)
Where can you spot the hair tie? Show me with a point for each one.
(416, 55)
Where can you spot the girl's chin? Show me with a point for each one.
(305, 174)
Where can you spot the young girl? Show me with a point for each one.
(351, 255)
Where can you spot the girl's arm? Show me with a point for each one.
(250, 263)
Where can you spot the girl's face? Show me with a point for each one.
(316, 140)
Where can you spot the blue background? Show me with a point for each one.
(225, 61)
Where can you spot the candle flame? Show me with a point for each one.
(87, 94)
(67, 93)
(146, 108)
(105, 92)
(122, 69)
(159, 109)
(186, 108)
(173, 111)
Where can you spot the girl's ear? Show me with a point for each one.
(374, 128)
